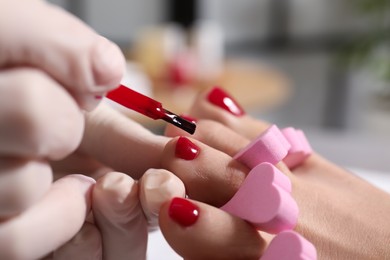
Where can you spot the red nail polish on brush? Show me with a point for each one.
(183, 212)
(185, 149)
(221, 99)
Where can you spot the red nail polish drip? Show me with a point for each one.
(183, 212)
(221, 99)
(185, 149)
(148, 107)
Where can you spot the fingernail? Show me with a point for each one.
(185, 149)
(159, 186)
(189, 118)
(84, 178)
(88, 102)
(221, 99)
(108, 64)
(114, 189)
(183, 212)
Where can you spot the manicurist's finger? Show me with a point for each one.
(87, 244)
(199, 231)
(119, 217)
(38, 118)
(22, 183)
(67, 49)
(158, 186)
(120, 143)
(209, 175)
(49, 223)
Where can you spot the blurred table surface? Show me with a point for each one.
(253, 84)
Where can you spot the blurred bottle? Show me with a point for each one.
(184, 51)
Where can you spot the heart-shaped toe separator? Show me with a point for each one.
(300, 147)
(264, 200)
(289, 245)
(271, 146)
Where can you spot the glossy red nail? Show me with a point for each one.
(185, 149)
(189, 118)
(183, 212)
(221, 99)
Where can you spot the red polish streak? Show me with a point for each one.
(148, 107)
(185, 149)
(183, 212)
(221, 99)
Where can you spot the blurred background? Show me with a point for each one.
(319, 65)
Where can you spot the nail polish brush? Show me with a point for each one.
(148, 107)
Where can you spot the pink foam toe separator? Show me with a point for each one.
(289, 245)
(300, 147)
(264, 200)
(271, 146)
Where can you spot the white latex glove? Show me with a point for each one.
(51, 64)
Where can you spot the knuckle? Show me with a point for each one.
(116, 186)
(46, 118)
(114, 194)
